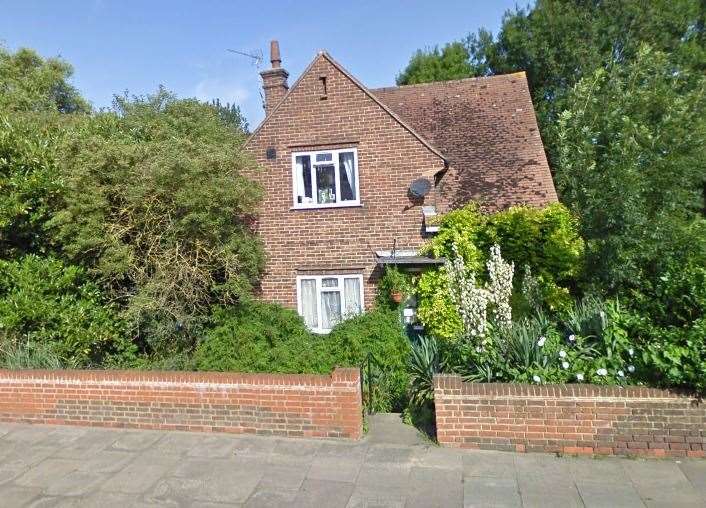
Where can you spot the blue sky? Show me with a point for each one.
(137, 45)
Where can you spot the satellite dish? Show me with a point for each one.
(420, 187)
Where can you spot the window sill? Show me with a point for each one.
(324, 207)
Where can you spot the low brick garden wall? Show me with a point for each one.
(573, 419)
(268, 404)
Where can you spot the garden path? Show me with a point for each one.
(43, 466)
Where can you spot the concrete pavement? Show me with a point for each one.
(53, 466)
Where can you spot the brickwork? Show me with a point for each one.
(575, 419)
(337, 240)
(266, 404)
(476, 139)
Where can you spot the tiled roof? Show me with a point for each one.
(487, 130)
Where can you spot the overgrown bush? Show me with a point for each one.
(158, 205)
(543, 243)
(48, 308)
(261, 337)
(378, 332)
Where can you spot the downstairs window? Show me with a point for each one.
(326, 300)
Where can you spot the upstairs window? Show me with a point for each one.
(325, 178)
(326, 300)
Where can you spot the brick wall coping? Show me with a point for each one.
(459, 388)
(339, 376)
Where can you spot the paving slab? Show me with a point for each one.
(291, 451)
(106, 461)
(547, 492)
(76, 483)
(488, 464)
(178, 443)
(598, 494)
(695, 472)
(388, 428)
(661, 483)
(384, 475)
(19, 459)
(46, 472)
(47, 466)
(271, 498)
(218, 480)
(376, 497)
(213, 446)
(16, 495)
(385, 454)
(442, 458)
(323, 493)
(335, 468)
(136, 440)
(482, 492)
(434, 487)
(28, 434)
(282, 476)
(93, 441)
(140, 475)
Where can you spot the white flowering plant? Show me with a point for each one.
(540, 350)
(480, 306)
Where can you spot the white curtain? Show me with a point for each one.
(300, 179)
(351, 296)
(330, 308)
(348, 165)
(308, 296)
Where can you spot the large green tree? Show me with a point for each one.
(29, 82)
(630, 163)
(157, 204)
(37, 101)
(449, 62)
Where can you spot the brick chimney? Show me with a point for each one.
(274, 80)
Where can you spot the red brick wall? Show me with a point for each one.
(336, 239)
(568, 418)
(267, 404)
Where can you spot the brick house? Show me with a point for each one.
(351, 175)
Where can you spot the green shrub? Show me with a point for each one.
(261, 337)
(49, 307)
(380, 333)
(543, 240)
(591, 345)
(424, 362)
(28, 355)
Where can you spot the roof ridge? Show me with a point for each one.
(449, 81)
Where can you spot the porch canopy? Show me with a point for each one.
(406, 259)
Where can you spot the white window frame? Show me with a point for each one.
(320, 289)
(337, 175)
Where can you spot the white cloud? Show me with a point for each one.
(226, 91)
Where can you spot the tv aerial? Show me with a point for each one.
(256, 57)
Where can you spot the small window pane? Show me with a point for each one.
(324, 157)
(309, 307)
(303, 179)
(329, 282)
(330, 308)
(352, 304)
(347, 169)
(326, 184)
